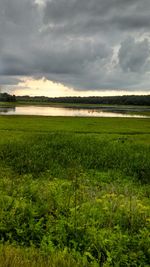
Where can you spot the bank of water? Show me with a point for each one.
(71, 111)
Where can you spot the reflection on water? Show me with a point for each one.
(4, 110)
(59, 111)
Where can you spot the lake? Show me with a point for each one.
(68, 111)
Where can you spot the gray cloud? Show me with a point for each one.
(7, 80)
(76, 42)
(97, 15)
(134, 56)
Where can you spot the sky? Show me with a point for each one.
(75, 47)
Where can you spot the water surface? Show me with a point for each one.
(62, 111)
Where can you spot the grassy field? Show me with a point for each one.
(74, 192)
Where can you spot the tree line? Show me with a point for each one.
(105, 100)
(4, 97)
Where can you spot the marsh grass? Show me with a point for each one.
(55, 153)
(70, 199)
(30, 257)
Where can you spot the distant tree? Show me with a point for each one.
(112, 100)
(4, 97)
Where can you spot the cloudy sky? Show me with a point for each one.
(75, 47)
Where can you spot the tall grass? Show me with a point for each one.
(30, 257)
(57, 152)
(69, 199)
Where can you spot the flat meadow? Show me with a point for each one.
(74, 192)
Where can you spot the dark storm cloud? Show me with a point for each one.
(7, 80)
(71, 57)
(133, 56)
(86, 44)
(62, 10)
(133, 23)
(122, 14)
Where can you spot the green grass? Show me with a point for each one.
(74, 191)
(77, 125)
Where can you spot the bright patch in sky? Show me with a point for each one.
(30, 86)
(44, 87)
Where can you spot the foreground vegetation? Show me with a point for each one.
(74, 192)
